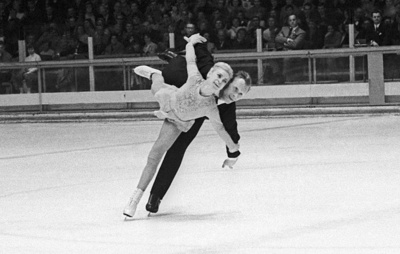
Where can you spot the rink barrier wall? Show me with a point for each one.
(374, 92)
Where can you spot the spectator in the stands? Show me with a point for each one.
(232, 31)
(308, 14)
(104, 12)
(134, 47)
(115, 47)
(5, 75)
(165, 22)
(71, 24)
(288, 9)
(389, 9)
(12, 30)
(117, 12)
(332, 38)
(149, 48)
(100, 39)
(135, 11)
(66, 46)
(189, 30)
(126, 8)
(222, 42)
(46, 52)
(26, 79)
(164, 43)
(324, 19)
(233, 7)
(203, 27)
(154, 10)
(291, 37)
(256, 10)
(33, 18)
(396, 25)
(89, 13)
(242, 41)
(380, 33)
(314, 37)
(210, 44)
(51, 16)
(218, 25)
(81, 34)
(270, 33)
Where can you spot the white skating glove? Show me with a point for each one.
(195, 38)
(229, 162)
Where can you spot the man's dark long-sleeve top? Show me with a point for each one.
(175, 73)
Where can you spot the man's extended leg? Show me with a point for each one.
(170, 165)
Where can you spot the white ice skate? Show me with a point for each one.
(145, 71)
(130, 208)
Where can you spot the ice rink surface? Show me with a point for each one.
(302, 185)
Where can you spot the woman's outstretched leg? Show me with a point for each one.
(168, 134)
(152, 74)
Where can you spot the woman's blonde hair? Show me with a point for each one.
(224, 66)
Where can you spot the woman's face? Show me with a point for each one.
(218, 78)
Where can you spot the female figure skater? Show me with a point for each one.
(179, 107)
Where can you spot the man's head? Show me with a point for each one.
(292, 20)
(30, 49)
(190, 29)
(238, 87)
(376, 17)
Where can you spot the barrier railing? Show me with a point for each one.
(373, 55)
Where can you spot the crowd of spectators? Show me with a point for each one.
(59, 29)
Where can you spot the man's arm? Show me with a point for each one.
(227, 113)
(298, 42)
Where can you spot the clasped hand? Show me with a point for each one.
(195, 38)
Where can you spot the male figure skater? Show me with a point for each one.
(175, 73)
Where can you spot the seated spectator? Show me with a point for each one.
(308, 14)
(222, 42)
(332, 38)
(314, 37)
(234, 7)
(5, 75)
(270, 33)
(89, 27)
(46, 52)
(89, 13)
(210, 44)
(134, 47)
(256, 10)
(189, 30)
(65, 48)
(115, 47)
(100, 39)
(164, 43)
(232, 31)
(288, 9)
(242, 40)
(149, 48)
(12, 32)
(218, 25)
(26, 79)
